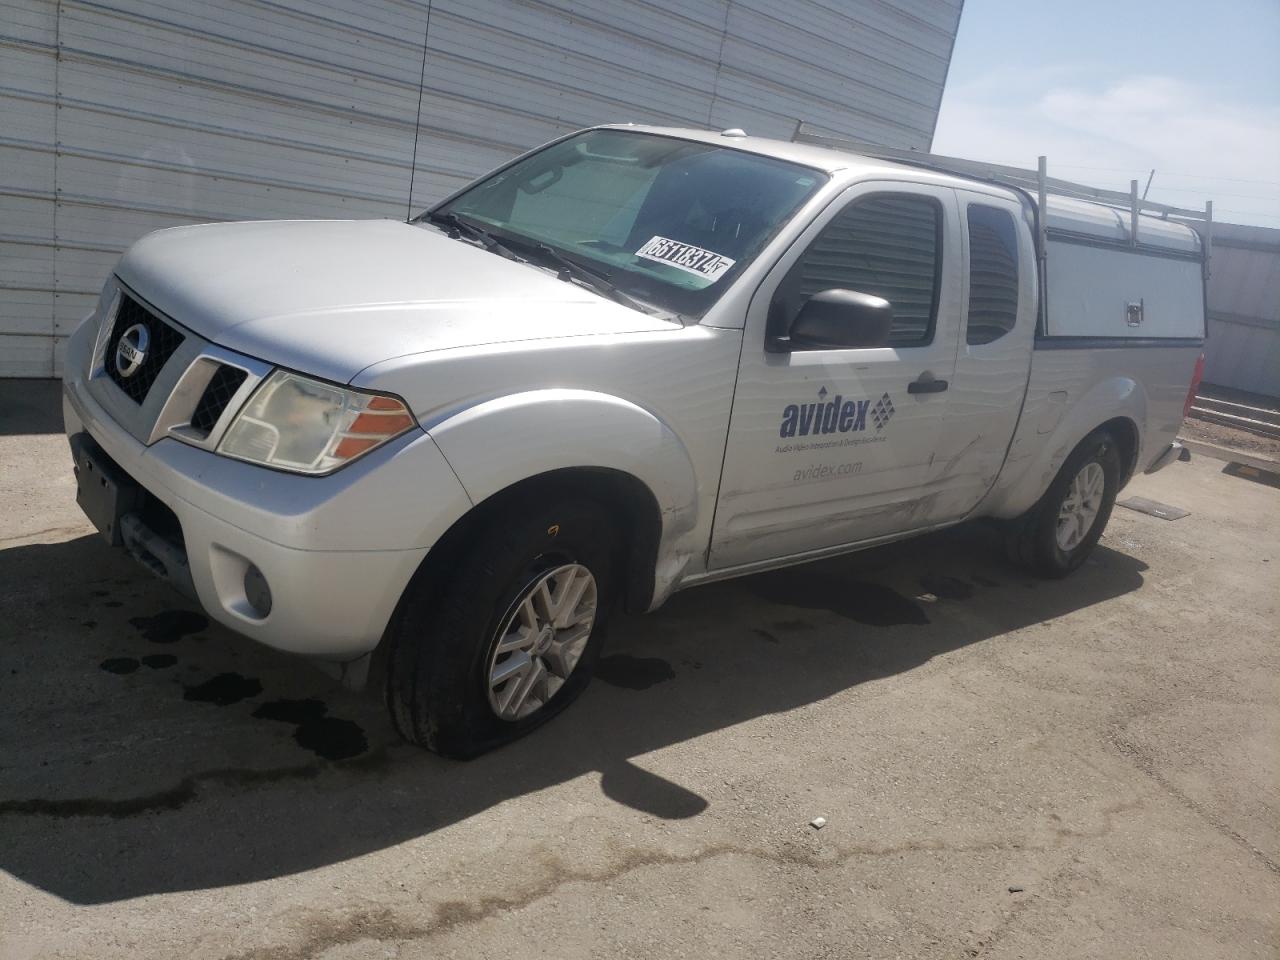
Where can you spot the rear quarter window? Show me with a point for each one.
(993, 274)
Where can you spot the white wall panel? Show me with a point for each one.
(1243, 349)
(28, 80)
(33, 21)
(119, 117)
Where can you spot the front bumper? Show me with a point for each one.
(336, 552)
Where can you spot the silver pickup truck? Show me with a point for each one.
(631, 361)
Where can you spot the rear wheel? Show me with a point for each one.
(1057, 535)
(507, 636)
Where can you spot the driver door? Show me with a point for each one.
(832, 446)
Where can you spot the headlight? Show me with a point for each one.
(296, 423)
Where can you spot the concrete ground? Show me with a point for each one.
(1008, 767)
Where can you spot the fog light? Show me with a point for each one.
(256, 591)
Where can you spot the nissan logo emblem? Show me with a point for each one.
(131, 350)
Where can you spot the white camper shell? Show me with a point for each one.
(1100, 283)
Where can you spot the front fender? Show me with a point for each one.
(500, 442)
(1052, 428)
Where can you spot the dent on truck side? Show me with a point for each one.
(1071, 394)
(498, 443)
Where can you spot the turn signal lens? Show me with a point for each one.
(296, 423)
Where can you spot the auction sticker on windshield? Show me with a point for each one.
(686, 257)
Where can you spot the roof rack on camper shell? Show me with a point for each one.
(1064, 204)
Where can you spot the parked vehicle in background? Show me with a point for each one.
(629, 362)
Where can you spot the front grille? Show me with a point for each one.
(222, 387)
(162, 341)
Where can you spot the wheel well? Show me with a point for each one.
(630, 502)
(1125, 432)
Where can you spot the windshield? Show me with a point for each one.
(667, 221)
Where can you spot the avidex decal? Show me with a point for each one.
(836, 415)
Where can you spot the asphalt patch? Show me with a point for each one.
(224, 690)
(633, 673)
(159, 661)
(169, 626)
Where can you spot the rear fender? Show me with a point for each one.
(1054, 429)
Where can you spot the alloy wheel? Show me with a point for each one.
(1080, 507)
(541, 641)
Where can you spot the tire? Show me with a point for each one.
(444, 639)
(1035, 540)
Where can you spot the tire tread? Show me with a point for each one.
(444, 598)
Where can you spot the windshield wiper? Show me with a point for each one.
(597, 280)
(457, 227)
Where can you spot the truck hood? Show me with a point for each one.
(331, 297)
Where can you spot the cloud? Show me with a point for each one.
(1202, 147)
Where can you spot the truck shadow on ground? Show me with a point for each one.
(30, 407)
(149, 752)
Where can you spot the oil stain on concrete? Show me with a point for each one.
(633, 673)
(329, 737)
(224, 690)
(169, 626)
(119, 665)
(156, 661)
(169, 798)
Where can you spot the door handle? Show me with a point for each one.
(926, 384)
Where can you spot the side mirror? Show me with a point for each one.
(841, 319)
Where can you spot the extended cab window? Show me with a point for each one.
(887, 245)
(668, 221)
(993, 274)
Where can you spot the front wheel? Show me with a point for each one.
(1057, 535)
(506, 635)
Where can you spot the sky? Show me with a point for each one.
(1110, 90)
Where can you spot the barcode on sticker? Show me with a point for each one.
(695, 260)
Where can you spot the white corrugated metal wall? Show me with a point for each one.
(1243, 349)
(124, 116)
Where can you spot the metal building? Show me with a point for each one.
(1243, 348)
(118, 117)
